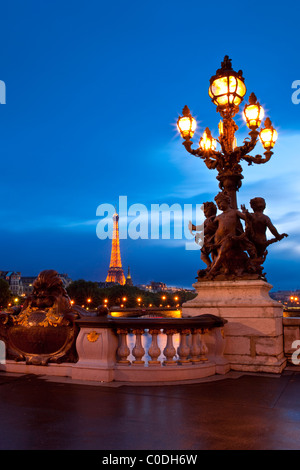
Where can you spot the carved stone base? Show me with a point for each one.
(254, 332)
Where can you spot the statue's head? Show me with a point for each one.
(223, 200)
(258, 204)
(210, 209)
(47, 289)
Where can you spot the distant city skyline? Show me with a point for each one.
(93, 92)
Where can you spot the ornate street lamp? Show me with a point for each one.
(227, 90)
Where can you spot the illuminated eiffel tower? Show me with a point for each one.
(115, 272)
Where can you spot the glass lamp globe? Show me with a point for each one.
(227, 88)
(207, 142)
(268, 135)
(253, 112)
(186, 124)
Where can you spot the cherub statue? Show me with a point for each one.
(229, 240)
(257, 224)
(207, 252)
(206, 232)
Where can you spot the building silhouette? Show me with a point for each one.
(128, 278)
(13, 278)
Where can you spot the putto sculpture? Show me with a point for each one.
(257, 224)
(233, 250)
(208, 251)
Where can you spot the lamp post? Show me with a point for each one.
(229, 250)
(227, 90)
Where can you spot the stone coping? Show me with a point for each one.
(205, 321)
(291, 321)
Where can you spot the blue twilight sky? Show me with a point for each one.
(93, 92)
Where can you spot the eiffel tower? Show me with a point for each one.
(115, 272)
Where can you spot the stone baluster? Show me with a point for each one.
(123, 349)
(195, 346)
(203, 347)
(138, 350)
(154, 351)
(184, 348)
(169, 350)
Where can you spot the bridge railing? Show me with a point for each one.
(150, 349)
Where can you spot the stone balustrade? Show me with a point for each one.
(191, 348)
(140, 350)
(150, 349)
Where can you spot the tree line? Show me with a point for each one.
(89, 294)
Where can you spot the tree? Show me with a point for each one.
(129, 296)
(85, 293)
(5, 294)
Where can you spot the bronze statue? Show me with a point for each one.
(208, 253)
(48, 293)
(257, 224)
(228, 240)
(229, 250)
(205, 233)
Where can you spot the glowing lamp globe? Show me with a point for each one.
(268, 135)
(227, 88)
(186, 124)
(253, 112)
(207, 142)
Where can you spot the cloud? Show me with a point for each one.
(80, 223)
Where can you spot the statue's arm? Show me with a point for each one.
(241, 215)
(274, 231)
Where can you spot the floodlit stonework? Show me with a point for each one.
(254, 332)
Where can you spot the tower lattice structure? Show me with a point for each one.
(115, 271)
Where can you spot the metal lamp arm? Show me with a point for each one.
(210, 157)
(258, 159)
(248, 144)
(188, 146)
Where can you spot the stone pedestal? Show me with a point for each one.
(96, 349)
(254, 332)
